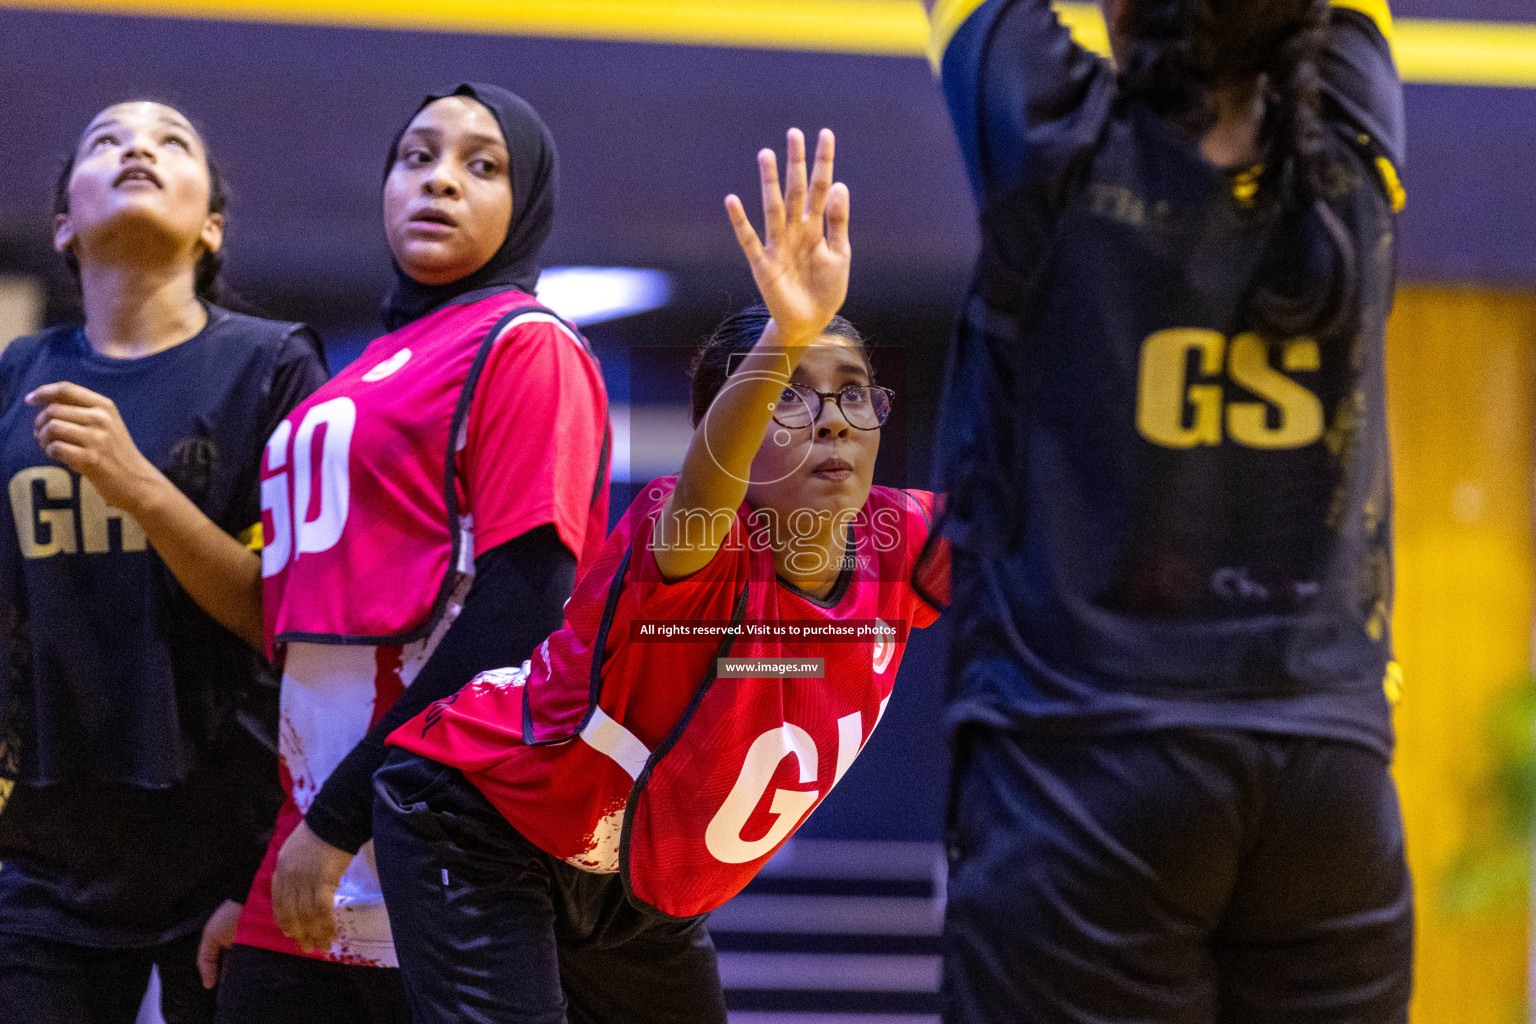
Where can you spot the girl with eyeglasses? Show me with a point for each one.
(551, 838)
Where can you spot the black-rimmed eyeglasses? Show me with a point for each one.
(864, 406)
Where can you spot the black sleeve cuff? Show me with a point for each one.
(343, 831)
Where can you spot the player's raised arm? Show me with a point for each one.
(1020, 90)
(1359, 73)
(801, 266)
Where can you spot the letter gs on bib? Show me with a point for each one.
(1180, 399)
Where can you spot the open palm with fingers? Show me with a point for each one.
(801, 262)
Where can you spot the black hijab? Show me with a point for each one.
(534, 174)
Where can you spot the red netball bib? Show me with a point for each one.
(617, 752)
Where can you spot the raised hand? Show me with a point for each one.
(801, 269)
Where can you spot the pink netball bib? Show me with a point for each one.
(360, 498)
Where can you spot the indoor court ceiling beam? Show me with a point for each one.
(1429, 51)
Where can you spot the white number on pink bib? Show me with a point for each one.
(325, 484)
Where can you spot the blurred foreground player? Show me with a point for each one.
(425, 512)
(551, 838)
(1166, 446)
(132, 445)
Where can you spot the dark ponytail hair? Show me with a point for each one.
(738, 333)
(1181, 53)
(209, 264)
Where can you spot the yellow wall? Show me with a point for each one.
(1461, 368)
